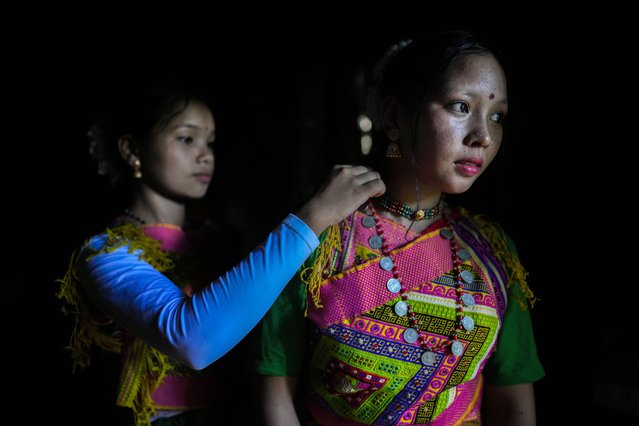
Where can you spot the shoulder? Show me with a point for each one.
(490, 229)
(130, 239)
(114, 237)
(505, 251)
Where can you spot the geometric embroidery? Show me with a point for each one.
(366, 371)
(351, 383)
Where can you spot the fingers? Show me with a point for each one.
(363, 176)
(346, 189)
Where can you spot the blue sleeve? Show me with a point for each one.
(198, 330)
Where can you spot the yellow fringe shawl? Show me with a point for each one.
(313, 276)
(145, 367)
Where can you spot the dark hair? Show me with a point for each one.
(138, 115)
(409, 69)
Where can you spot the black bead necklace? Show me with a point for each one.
(133, 216)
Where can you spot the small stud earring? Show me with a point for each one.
(393, 134)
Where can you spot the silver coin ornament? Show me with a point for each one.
(375, 241)
(446, 233)
(401, 308)
(467, 276)
(386, 263)
(463, 254)
(457, 348)
(393, 285)
(411, 335)
(468, 323)
(468, 299)
(368, 221)
(428, 358)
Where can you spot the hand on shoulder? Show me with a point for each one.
(346, 188)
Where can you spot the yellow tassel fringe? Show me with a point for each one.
(145, 367)
(314, 275)
(516, 272)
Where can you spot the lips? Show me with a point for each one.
(475, 161)
(203, 177)
(469, 166)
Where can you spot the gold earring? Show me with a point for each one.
(393, 151)
(137, 172)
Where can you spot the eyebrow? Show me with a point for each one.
(190, 126)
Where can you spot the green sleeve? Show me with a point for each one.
(279, 340)
(515, 359)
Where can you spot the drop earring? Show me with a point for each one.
(137, 169)
(393, 150)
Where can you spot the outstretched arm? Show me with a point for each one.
(198, 330)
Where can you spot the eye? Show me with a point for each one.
(185, 139)
(498, 117)
(459, 107)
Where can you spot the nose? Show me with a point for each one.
(206, 155)
(479, 135)
(482, 139)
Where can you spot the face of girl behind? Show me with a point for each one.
(179, 161)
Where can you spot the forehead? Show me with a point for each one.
(195, 110)
(478, 71)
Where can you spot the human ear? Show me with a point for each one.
(128, 149)
(389, 115)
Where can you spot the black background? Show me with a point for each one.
(287, 102)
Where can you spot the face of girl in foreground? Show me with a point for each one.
(459, 130)
(179, 161)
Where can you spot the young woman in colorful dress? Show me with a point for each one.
(417, 311)
(162, 296)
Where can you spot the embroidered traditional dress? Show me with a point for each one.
(359, 369)
(150, 382)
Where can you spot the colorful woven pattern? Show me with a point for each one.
(362, 368)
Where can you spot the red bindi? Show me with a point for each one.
(491, 96)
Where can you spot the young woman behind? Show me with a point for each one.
(162, 296)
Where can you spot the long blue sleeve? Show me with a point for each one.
(200, 329)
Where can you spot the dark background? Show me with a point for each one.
(287, 96)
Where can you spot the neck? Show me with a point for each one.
(152, 208)
(422, 198)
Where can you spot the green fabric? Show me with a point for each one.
(278, 340)
(515, 360)
(278, 349)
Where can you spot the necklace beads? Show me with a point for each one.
(400, 209)
(403, 307)
(133, 216)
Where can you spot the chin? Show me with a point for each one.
(458, 188)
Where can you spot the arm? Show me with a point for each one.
(197, 331)
(509, 405)
(276, 400)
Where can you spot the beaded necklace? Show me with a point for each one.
(404, 308)
(133, 216)
(400, 209)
